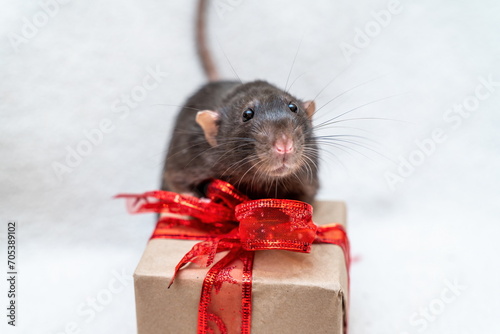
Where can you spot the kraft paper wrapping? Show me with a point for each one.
(291, 292)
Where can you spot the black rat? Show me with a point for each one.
(253, 135)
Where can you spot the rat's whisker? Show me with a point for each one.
(347, 127)
(238, 164)
(329, 83)
(241, 179)
(340, 145)
(367, 139)
(358, 107)
(322, 126)
(347, 91)
(175, 105)
(295, 80)
(293, 64)
(228, 61)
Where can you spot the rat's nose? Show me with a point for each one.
(283, 145)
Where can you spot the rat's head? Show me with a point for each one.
(261, 134)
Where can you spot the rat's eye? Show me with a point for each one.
(292, 107)
(247, 115)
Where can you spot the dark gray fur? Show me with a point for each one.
(191, 161)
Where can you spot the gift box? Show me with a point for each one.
(292, 292)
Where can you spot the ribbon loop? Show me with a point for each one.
(276, 224)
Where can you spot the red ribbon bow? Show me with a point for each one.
(228, 221)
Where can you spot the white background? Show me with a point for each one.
(439, 224)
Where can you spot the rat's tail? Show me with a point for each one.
(201, 42)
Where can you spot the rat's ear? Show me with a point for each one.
(208, 120)
(310, 108)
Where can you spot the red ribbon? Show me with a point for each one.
(228, 221)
